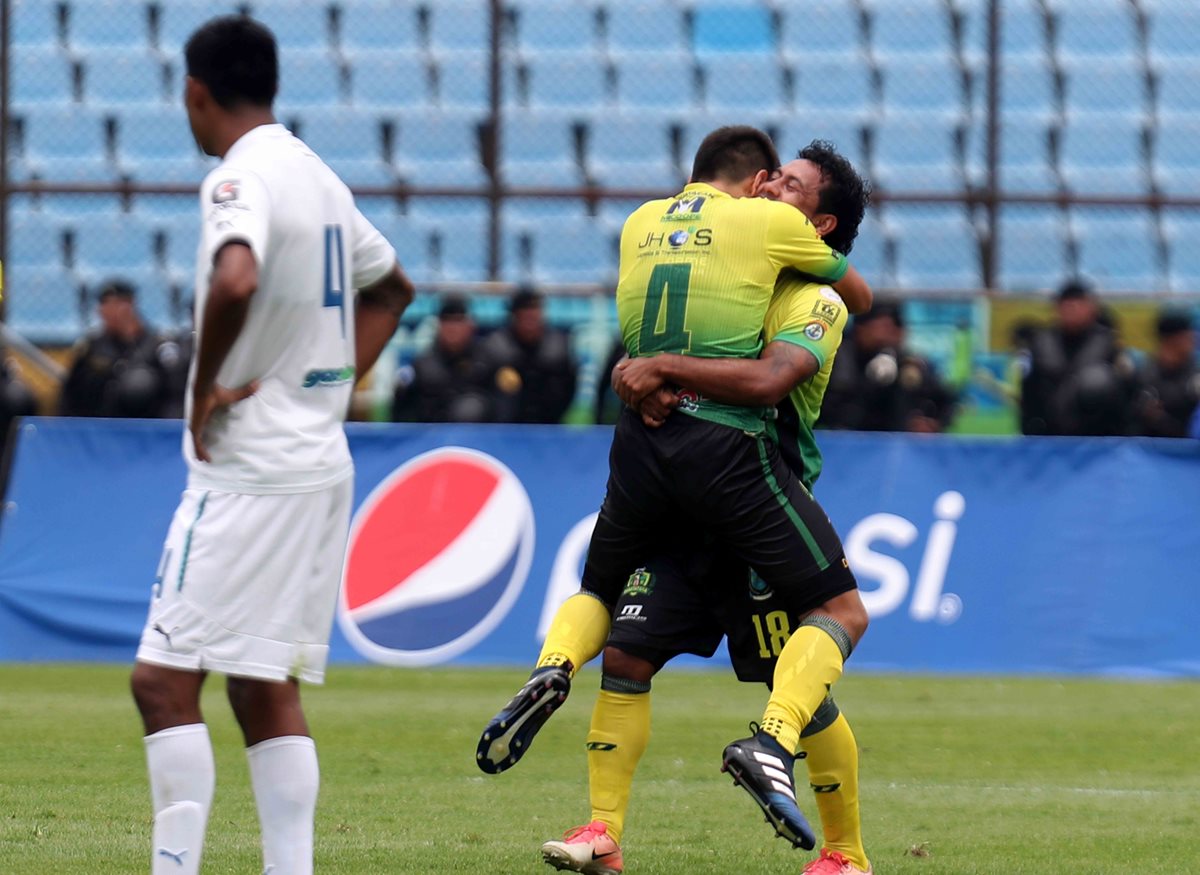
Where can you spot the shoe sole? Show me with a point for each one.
(561, 860)
(508, 736)
(731, 766)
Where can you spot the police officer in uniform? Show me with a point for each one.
(450, 381)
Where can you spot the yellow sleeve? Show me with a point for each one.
(793, 242)
(809, 315)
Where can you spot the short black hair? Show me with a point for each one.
(524, 298)
(116, 289)
(453, 306)
(236, 57)
(733, 153)
(1172, 322)
(882, 308)
(844, 193)
(1074, 290)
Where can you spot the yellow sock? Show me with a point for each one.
(616, 741)
(808, 666)
(577, 633)
(832, 758)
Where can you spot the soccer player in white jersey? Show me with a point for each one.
(250, 569)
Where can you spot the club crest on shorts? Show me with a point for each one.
(641, 582)
(759, 589)
(438, 554)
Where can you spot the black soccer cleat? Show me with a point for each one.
(510, 733)
(761, 767)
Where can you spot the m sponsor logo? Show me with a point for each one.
(631, 612)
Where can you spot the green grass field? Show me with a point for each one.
(958, 775)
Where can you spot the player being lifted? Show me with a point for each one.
(685, 599)
(697, 273)
(253, 558)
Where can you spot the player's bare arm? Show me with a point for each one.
(234, 282)
(764, 381)
(379, 308)
(854, 291)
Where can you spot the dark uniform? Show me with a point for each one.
(114, 377)
(689, 596)
(444, 386)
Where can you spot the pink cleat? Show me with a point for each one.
(833, 863)
(588, 849)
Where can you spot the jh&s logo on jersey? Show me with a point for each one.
(438, 554)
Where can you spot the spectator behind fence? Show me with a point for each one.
(117, 370)
(533, 374)
(1168, 382)
(15, 400)
(1076, 380)
(450, 382)
(877, 384)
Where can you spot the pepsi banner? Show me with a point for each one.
(973, 555)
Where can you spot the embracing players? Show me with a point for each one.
(697, 274)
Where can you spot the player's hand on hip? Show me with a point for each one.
(657, 406)
(206, 402)
(634, 379)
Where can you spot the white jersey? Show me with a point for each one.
(313, 248)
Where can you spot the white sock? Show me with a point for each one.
(182, 776)
(286, 778)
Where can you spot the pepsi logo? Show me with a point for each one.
(438, 554)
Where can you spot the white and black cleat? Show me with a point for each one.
(509, 734)
(761, 767)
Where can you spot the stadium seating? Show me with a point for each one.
(438, 148)
(1103, 155)
(179, 19)
(841, 84)
(1176, 156)
(1026, 161)
(380, 24)
(1027, 86)
(1178, 86)
(463, 80)
(829, 28)
(845, 131)
(106, 245)
(34, 23)
(308, 77)
(350, 141)
(573, 250)
(725, 79)
(108, 24)
(632, 151)
(155, 144)
(392, 79)
(550, 25)
(1171, 28)
(914, 153)
(459, 25)
(1115, 85)
(539, 149)
(116, 76)
(923, 85)
(1023, 28)
(297, 25)
(870, 255)
(1118, 250)
(910, 27)
(1095, 28)
(41, 75)
(732, 27)
(37, 239)
(67, 143)
(1032, 248)
(660, 81)
(564, 80)
(936, 248)
(459, 251)
(1182, 230)
(48, 308)
(626, 31)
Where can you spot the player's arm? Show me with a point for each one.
(379, 308)
(233, 283)
(760, 382)
(793, 242)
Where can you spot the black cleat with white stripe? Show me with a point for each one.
(761, 767)
(510, 733)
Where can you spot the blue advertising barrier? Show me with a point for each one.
(974, 555)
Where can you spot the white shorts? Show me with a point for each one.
(247, 584)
